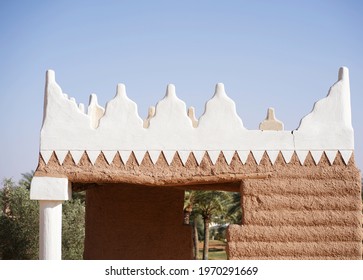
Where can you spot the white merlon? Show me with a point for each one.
(95, 111)
(151, 114)
(271, 123)
(173, 130)
(329, 124)
(50, 188)
(191, 115)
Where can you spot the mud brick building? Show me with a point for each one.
(301, 189)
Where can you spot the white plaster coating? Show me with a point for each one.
(81, 107)
(243, 155)
(273, 155)
(77, 155)
(346, 154)
(228, 156)
(199, 155)
(151, 114)
(329, 125)
(169, 156)
(154, 156)
(139, 155)
(316, 156)
(184, 155)
(124, 155)
(213, 155)
(287, 154)
(258, 155)
(109, 155)
(95, 111)
(301, 154)
(331, 155)
(50, 230)
(46, 155)
(171, 128)
(191, 115)
(61, 155)
(93, 155)
(50, 188)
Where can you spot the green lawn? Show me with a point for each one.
(217, 250)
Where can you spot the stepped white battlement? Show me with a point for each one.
(171, 128)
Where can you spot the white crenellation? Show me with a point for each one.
(171, 130)
(151, 114)
(271, 123)
(95, 111)
(191, 115)
(329, 125)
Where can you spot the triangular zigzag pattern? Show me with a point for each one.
(198, 155)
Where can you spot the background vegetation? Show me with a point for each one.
(19, 223)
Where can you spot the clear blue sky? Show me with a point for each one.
(284, 54)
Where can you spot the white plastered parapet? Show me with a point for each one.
(171, 129)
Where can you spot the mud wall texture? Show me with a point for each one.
(133, 222)
(301, 212)
(291, 210)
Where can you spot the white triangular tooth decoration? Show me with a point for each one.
(258, 156)
(331, 155)
(77, 155)
(184, 155)
(125, 155)
(93, 155)
(139, 155)
(109, 155)
(154, 156)
(316, 156)
(61, 155)
(243, 155)
(273, 155)
(46, 155)
(301, 154)
(199, 156)
(228, 155)
(287, 154)
(169, 155)
(346, 154)
(213, 155)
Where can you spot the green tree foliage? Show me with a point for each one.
(26, 179)
(201, 208)
(234, 213)
(19, 223)
(73, 229)
(211, 205)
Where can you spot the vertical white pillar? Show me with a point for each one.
(51, 192)
(50, 230)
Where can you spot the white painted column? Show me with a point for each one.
(51, 192)
(50, 230)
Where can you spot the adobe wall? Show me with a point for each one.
(300, 212)
(125, 222)
(301, 192)
(290, 210)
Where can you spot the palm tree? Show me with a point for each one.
(234, 213)
(26, 179)
(190, 215)
(210, 205)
